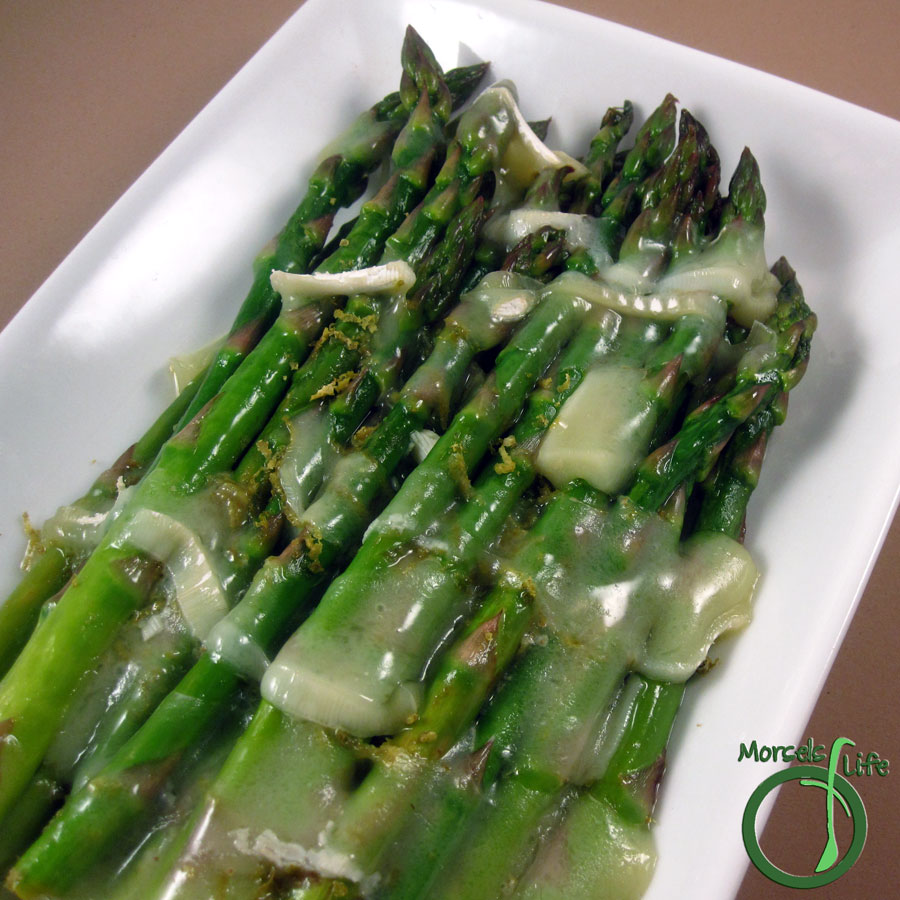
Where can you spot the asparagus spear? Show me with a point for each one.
(600, 157)
(497, 506)
(410, 244)
(457, 693)
(617, 809)
(535, 758)
(42, 795)
(603, 838)
(116, 579)
(338, 181)
(281, 592)
(388, 443)
(652, 144)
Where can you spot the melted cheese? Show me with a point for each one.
(664, 305)
(499, 300)
(648, 600)
(602, 431)
(734, 268)
(308, 457)
(580, 230)
(519, 155)
(365, 679)
(296, 289)
(243, 826)
(198, 590)
(591, 855)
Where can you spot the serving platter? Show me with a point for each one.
(164, 270)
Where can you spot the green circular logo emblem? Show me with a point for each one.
(830, 867)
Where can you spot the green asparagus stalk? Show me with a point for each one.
(604, 835)
(617, 809)
(530, 756)
(423, 393)
(338, 181)
(397, 328)
(462, 684)
(154, 849)
(35, 805)
(21, 610)
(652, 144)
(281, 593)
(116, 579)
(600, 158)
(642, 168)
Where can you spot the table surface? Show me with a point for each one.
(97, 89)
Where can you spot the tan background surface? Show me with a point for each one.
(92, 91)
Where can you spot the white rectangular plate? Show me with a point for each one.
(165, 269)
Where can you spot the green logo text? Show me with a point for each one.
(835, 787)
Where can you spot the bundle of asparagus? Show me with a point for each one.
(398, 599)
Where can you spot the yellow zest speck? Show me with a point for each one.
(312, 537)
(335, 387)
(368, 323)
(507, 463)
(361, 435)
